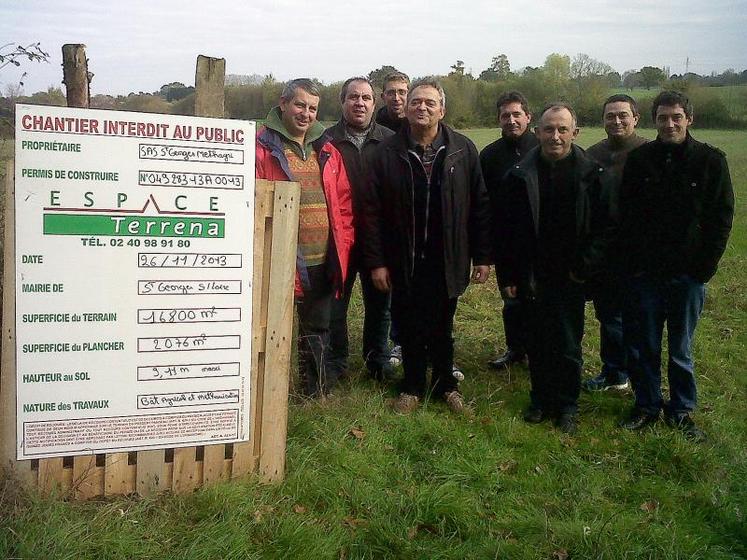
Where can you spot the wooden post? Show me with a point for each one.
(8, 461)
(209, 83)
(210, 78)
(77, 78)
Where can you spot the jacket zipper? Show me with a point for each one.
(427, 201)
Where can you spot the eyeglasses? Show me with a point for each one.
(393, 92)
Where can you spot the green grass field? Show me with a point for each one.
(437, 486)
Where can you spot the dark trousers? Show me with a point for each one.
(314, 307)
(425, 316)
(375, 324)
(613, 352)
(514, 325)
(555, 321)
(649, 303)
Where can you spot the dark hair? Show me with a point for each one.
(395, 76)
(622, 98)
(557, 106)
(430, 81)
(344, 88)
(670, 98)
(512, 97)
(289, 91)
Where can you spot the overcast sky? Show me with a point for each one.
(138, 45)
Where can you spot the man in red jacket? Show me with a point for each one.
(292, 146)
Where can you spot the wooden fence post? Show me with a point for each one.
(210, 78)
(77, 78)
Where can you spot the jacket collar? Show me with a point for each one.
(274, 122)
(375, 132)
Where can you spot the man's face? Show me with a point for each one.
(358, 106)
(619, 120)
(672, 123)
(299, 113)
(395, 98)
(424, 108)
(513, 120)
(556, 132)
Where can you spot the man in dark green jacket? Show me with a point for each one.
(620, 115)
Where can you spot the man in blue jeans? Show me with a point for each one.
(620, 116)
(677, 206)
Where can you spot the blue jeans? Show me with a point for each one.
(612, 351)
(375, 324)
(650, 302)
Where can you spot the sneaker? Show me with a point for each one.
(509, 358)
(534, 415)
(686, 425)
(455, 402)
(457, 372)
(406, 403)
(601, 383)
(566, 423)
(395, 356)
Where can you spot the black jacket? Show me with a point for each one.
(388, 217)
(520, 227)
(383, 118)
(677, 207)
(357, 162)
(496, 159)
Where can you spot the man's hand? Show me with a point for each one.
(380, 279)
(509, 292)
(480, 273)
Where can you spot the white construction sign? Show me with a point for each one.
(134, 244)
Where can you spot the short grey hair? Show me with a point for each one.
(430, 81)
(289, 91)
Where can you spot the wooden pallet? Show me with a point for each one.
(187, 468)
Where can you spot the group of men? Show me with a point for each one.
(406, 203)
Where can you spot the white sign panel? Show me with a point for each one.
(134, 244)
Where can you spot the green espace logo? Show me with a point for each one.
(155, 226)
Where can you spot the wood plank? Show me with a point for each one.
(150, 472)
(274, 421)
(50, 475)
(244, 455)
(117, 475)
(185, 477)
(212, 464)
(88, 479)
(8, 407)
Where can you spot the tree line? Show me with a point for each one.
(582, 81)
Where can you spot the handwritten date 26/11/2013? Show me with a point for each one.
(189, 260)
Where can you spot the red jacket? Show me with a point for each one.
(271, 164)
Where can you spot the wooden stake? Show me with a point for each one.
(210, 80)
(77, 78)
